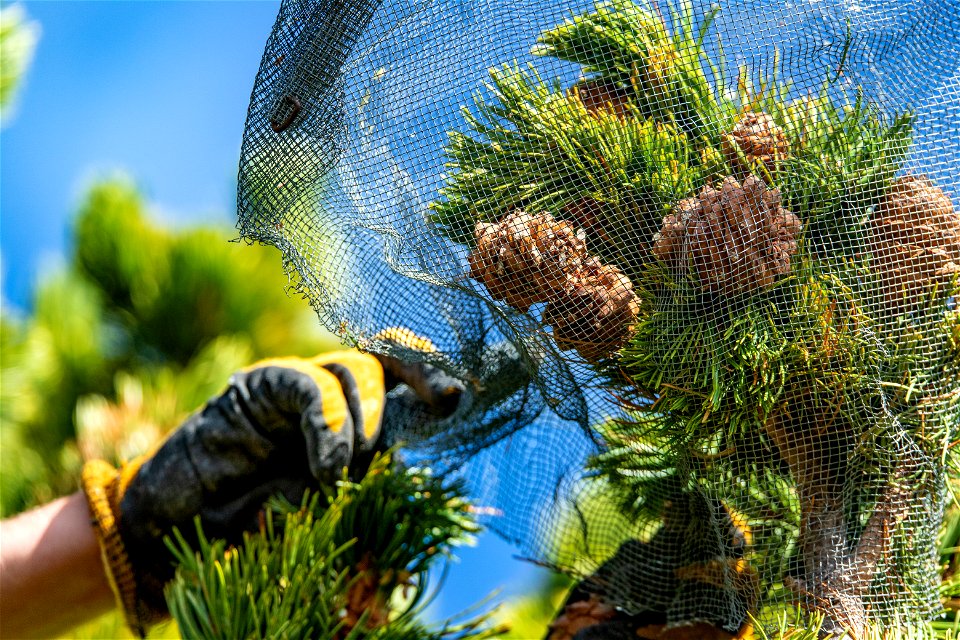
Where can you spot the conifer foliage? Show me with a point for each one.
(766, 253)
(720, 238)
(347, 564)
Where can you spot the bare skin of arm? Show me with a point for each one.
(51, 574)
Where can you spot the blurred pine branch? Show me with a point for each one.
(18, 40)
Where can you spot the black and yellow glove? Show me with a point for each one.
(281, 426)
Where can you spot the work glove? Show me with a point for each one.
(280, 427)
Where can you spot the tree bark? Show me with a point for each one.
(818, 461)
(836, 570)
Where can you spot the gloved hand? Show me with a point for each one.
(280, 427)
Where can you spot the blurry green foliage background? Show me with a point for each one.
(140, 327)
(137, 330)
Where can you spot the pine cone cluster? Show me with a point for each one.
(525, 259)
(755, 140)
(737, 239)
(578, 616)
(916, 240)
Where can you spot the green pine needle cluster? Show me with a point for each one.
(644, 472)
(538, 148)
(842, 160)
(795, 627)
(532, 144)
(630, 46)
(295, 578)
(718, 374)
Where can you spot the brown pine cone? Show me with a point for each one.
(755, 139)
(365, 595)
(525, 258)
(578, 616)
(738, 238)
(916, 240)
(668, 244)
(598, 94)
(594, 313)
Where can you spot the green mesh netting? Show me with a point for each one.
(697, 266)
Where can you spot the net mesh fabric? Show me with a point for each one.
(697, 266)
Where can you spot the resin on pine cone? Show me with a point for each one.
(755, 140)
(594, 313)
(525, 258)
(916, 240)
(737, 239)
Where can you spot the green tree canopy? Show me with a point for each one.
(140, 327)
(18, 38)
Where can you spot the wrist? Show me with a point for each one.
(104, 487)
(50, 550)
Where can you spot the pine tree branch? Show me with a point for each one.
(334, 567)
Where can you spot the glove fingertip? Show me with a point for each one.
(328, 452)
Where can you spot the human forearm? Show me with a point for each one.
(51, 574)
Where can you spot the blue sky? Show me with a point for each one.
(159, 91)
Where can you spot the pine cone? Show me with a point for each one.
(594, 312)
(524, 258)
(755, 139)
(668, 244)
(598, 94)
(738, 238)
(365, 594)
(578, 616)
(916, 240)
